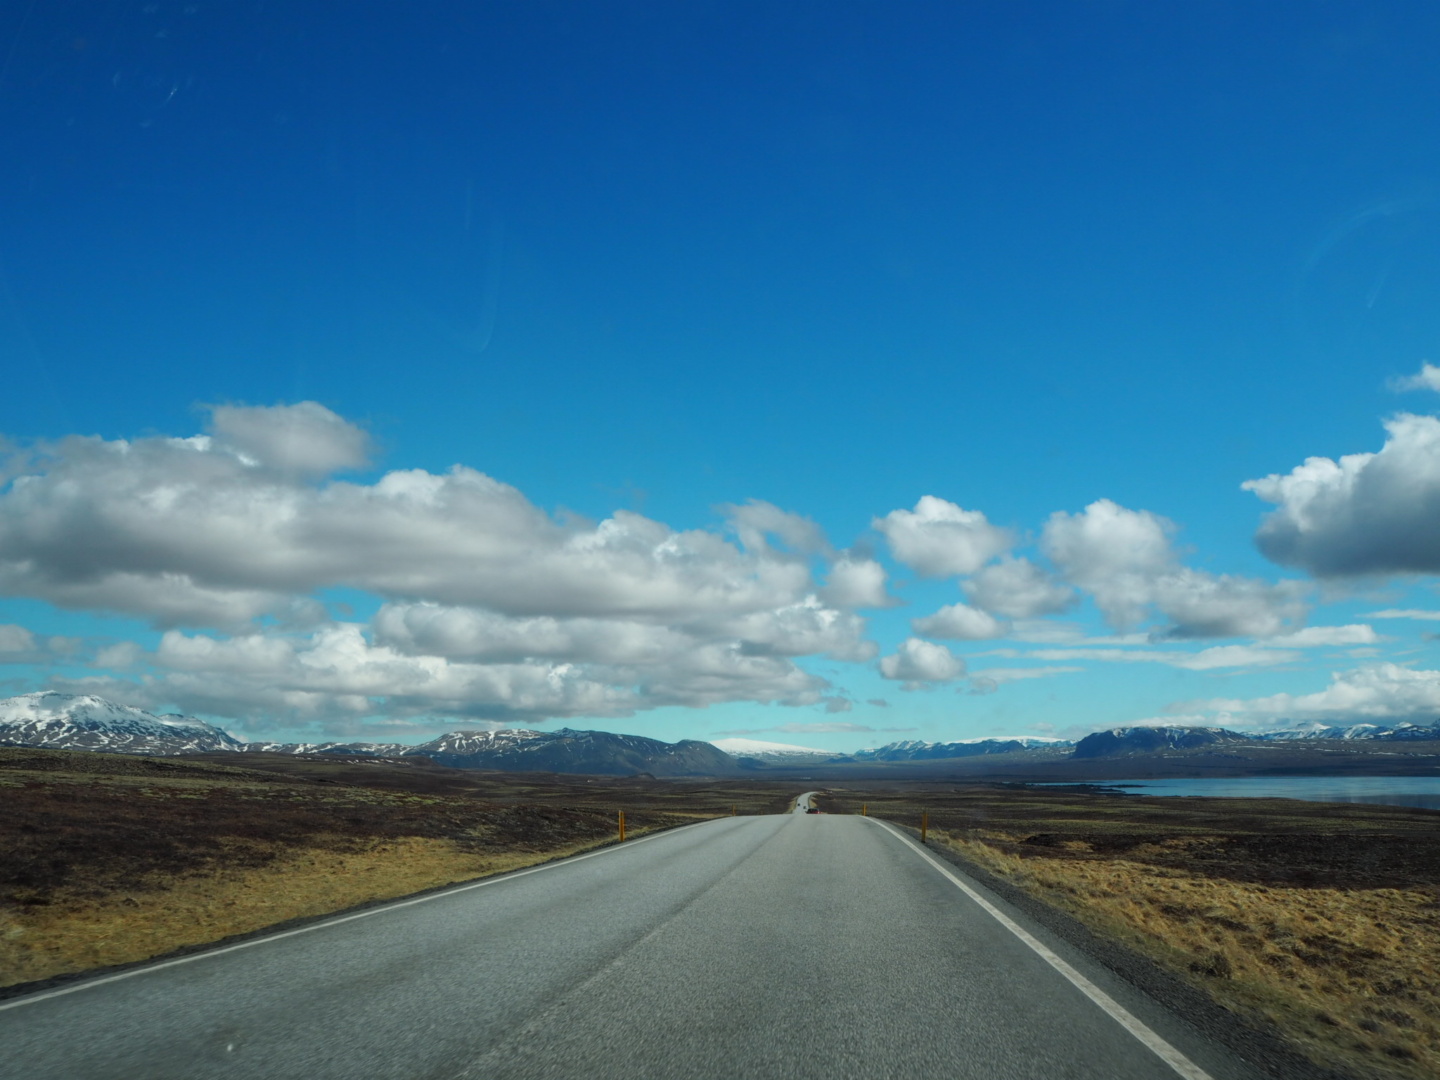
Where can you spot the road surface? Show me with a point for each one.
(793, 945)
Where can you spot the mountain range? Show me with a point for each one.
(758, 754)
(1149, 740)
(85, 722)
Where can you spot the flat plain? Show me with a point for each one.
(1317, 921)
(108, 859)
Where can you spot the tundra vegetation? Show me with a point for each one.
(108, 859)
(1319, 920)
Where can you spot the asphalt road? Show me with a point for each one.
(788, 946)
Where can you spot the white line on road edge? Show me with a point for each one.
(208, 953)
(1162, 1049)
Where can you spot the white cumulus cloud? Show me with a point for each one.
(1427, 378)
(1113, 553)
(1202, 605)
(917, 663)
(186, 533)
(756, 521)
(335, 676)
(1370, 513)
(306, 438)
(856, 582)
(960, 622)
(939, 539)
(1125, 560)
(458, 633)
(1018, 588)
(1380, 693)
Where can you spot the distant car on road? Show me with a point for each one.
(812, 810)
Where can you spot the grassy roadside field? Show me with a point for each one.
(107, 859)
(1320, 920)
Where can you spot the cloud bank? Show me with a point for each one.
(492, 607)
(1126, 561)
(1383, 693)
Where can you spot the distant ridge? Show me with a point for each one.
(915, 750)
(1381, 732)
(600, 753)
(755, 753)
(84, 722)
(1148, 740)
(565, 750)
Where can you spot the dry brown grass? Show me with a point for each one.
(73, 934)
(1353, 973)
(107, 860)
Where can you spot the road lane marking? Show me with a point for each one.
(390, 906)
(1117, 1012)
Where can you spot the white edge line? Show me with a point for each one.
(379, 909)
(1162, 1049)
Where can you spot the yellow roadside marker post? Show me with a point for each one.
(622, 826)
(864, 809)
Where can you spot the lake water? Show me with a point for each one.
(1423, 791)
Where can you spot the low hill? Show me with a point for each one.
(566, 751)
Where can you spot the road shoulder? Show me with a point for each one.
(1264, 1050)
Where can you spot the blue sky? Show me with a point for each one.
(588, 364)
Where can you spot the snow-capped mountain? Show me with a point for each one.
(85, 722)
(773, 753)
(1356, 731)
(517, 749)
(1145, 739)
(915, 750)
